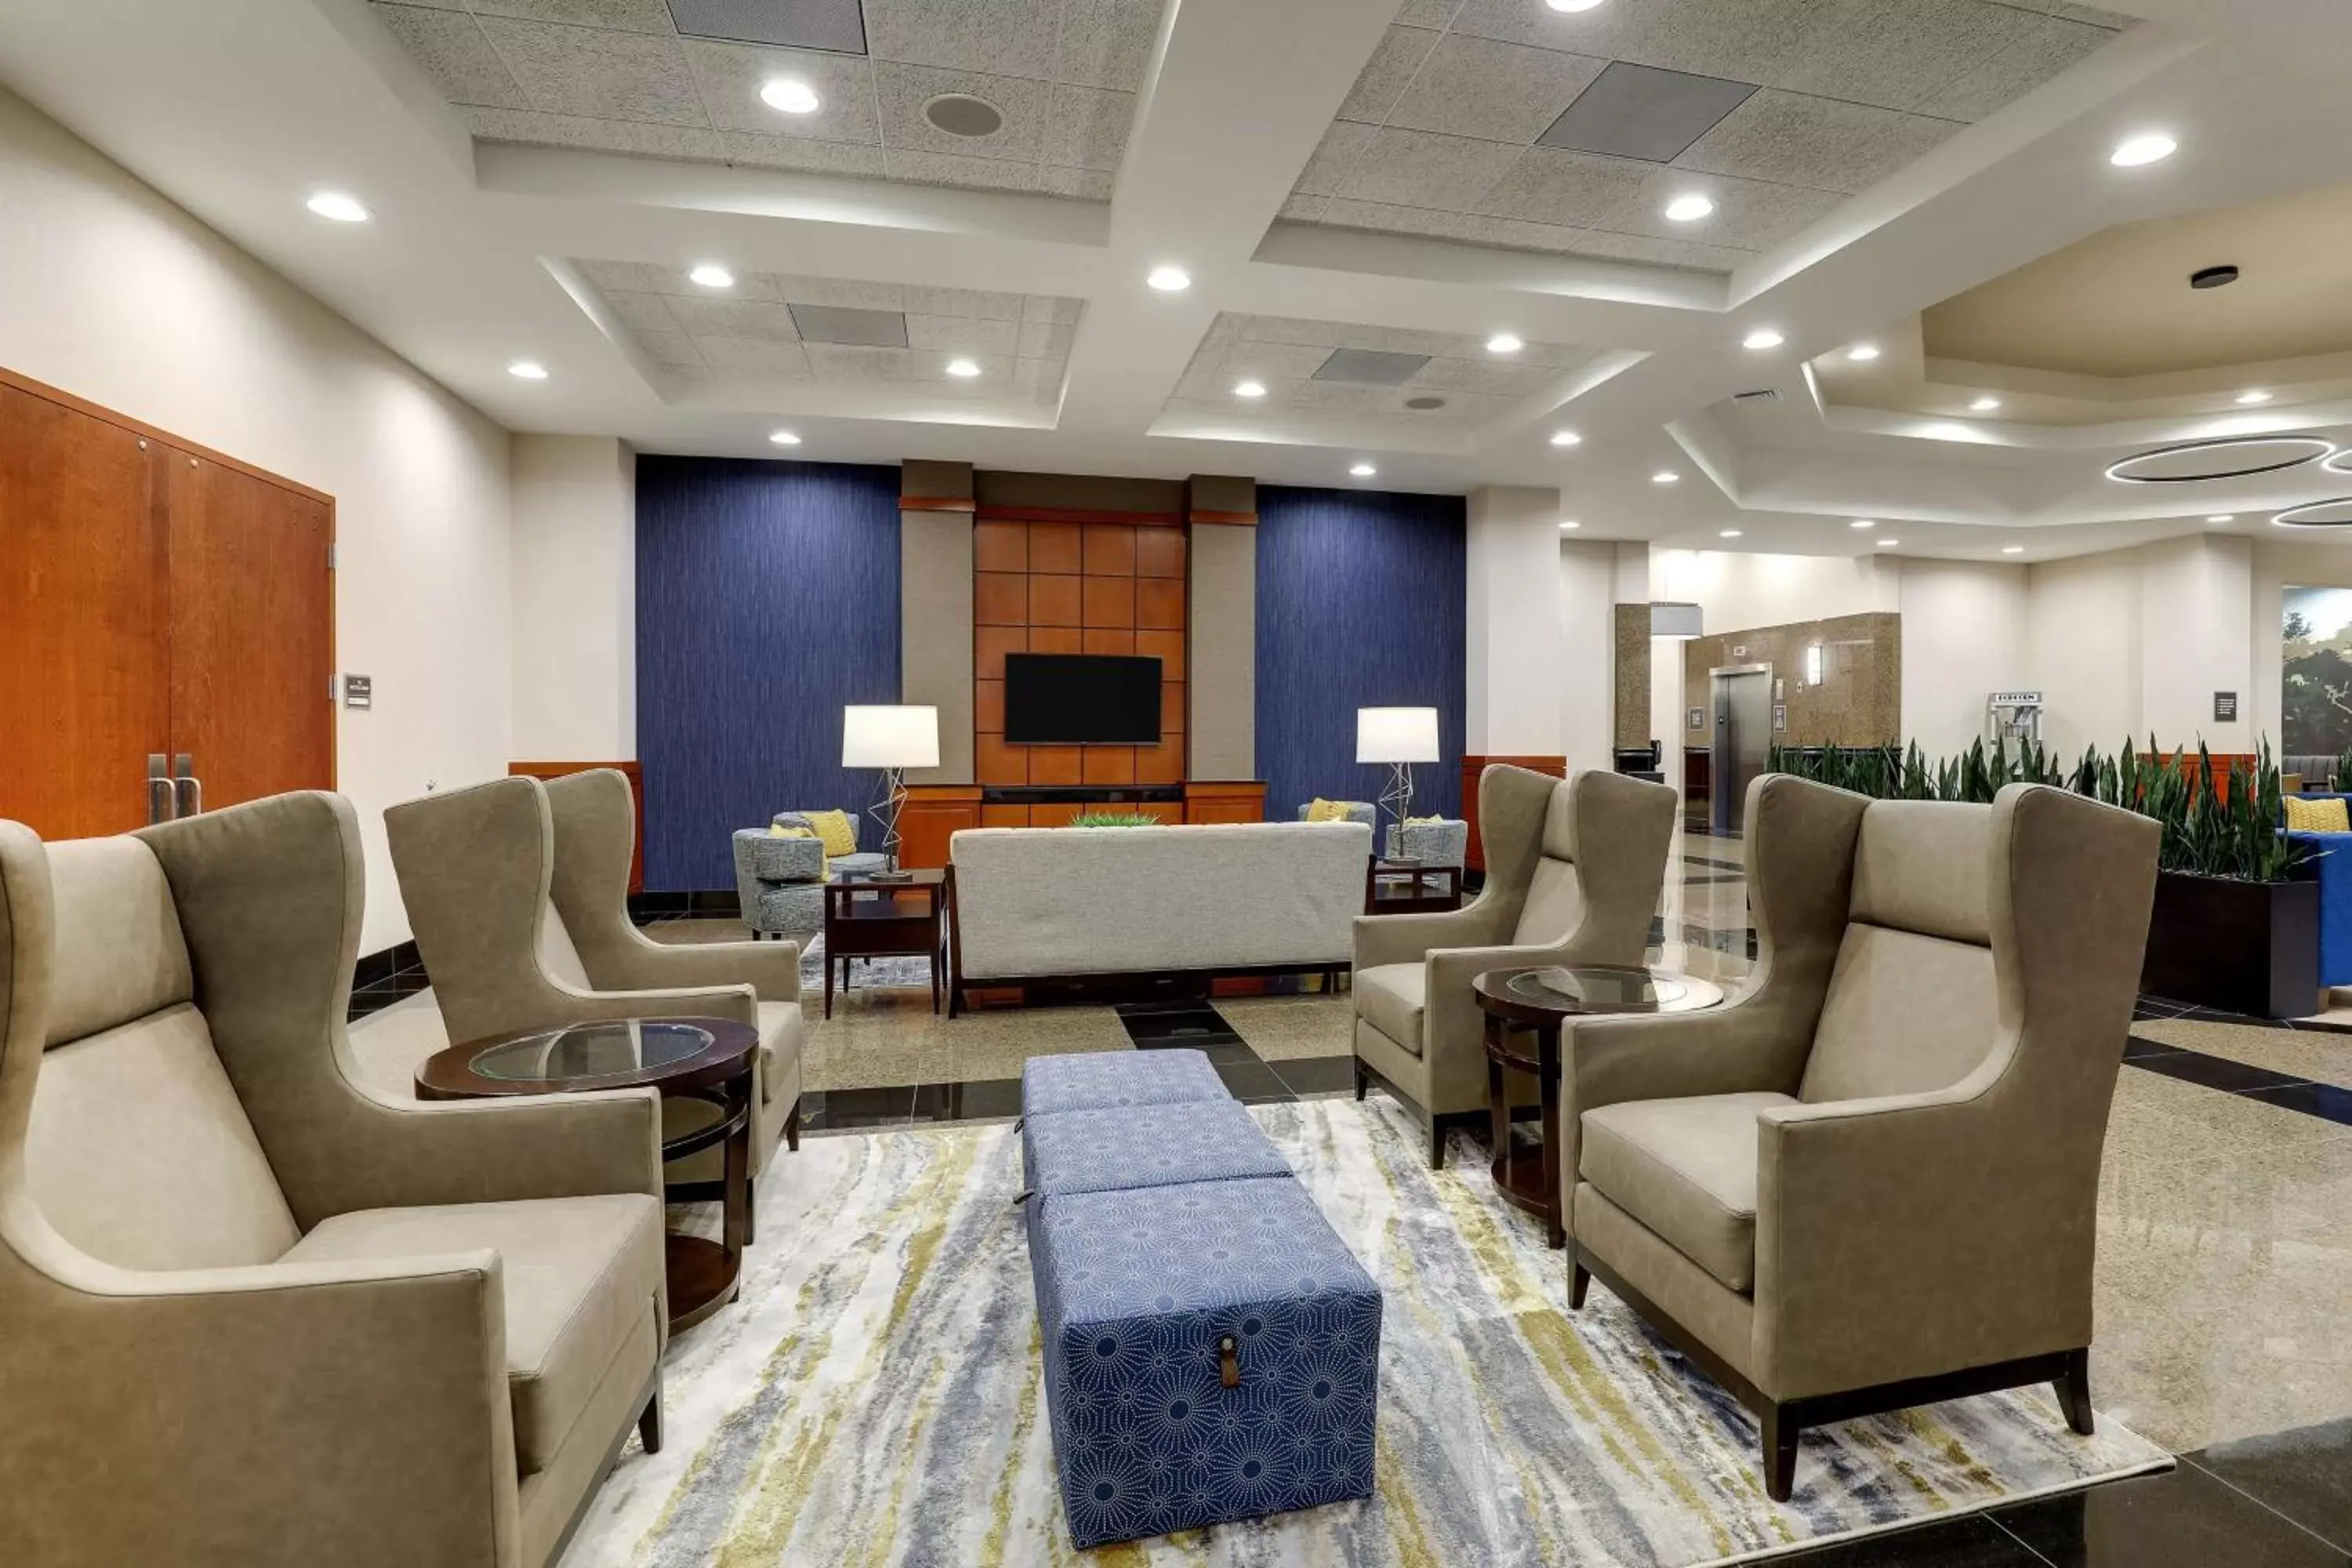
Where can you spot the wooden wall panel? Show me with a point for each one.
(932, 814)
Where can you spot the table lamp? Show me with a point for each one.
(892, 738)
(1399, 737)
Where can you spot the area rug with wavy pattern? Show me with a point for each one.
(875, 1397)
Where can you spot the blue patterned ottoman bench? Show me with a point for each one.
(1144, 1146)
(1101, 1080)
(1212, 1355)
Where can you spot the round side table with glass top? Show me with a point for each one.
(704, 1061)
(1531, 1001)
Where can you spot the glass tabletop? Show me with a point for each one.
(1598, 989)
(585, 1052)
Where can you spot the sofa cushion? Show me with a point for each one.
(2324, 815)
(1391, 998)
(782, 1029)
(1144, 1146)
(1099, 1080)
(1687, 1169)
(579, 1273)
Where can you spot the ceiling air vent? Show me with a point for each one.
(841, 324)
(1645, 112)
(1759, 395)
(1370, 367)
(836, 25)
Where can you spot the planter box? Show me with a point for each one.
(2239, 947)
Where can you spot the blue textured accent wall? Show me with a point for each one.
(1360, 605)
(767, 599)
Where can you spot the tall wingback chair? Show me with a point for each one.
(517, 894)
(1871, 1181)
(251, 1314)
(1573, 870)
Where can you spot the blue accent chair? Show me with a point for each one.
(2331, 867)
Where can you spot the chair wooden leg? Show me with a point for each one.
(1780, 1452)
(2074, 1389)
(649, 1425)
(1436, 1142)
(1579, 1277)
(1363, 1077)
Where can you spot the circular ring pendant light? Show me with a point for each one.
(2231, 457)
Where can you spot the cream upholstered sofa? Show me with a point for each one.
(1573, 870)
(251, 1315)
(517, 894)
(1872, 1180)
(1032, 904)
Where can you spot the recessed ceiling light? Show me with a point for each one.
(1862, 354)
(1566, 438)
(1762, 338)
(1888, 543)
(2134, 151)
(1728, 533)
(338, 207)
(1863, 522)
(2012, 550)
(789, 95)
(1249, 389)
(527, 370)
(2249, 398)
(1504, 343)
(1170, 279)
(1666, 477)
(785, 439)
(1984, 404)
(1571, 6)
(710, 275)
(2223, 517)
(963, 369)
(1363, 470)
(1689, 208)
(1570, 523)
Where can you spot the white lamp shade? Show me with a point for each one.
(892, 737)
(1396, 734)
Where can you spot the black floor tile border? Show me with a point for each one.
(2299, 1473)
(2328, 1101)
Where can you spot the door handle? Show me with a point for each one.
(161, 797)
(187, 790)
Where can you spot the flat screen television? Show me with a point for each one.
(1081, 700)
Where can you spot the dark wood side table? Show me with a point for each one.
(896, 918)
(1533, 1000)
(708, 1060)
(1412, 888)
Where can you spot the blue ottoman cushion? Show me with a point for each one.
(1144, 1146)
(1098, 1080)
(1136, 1290)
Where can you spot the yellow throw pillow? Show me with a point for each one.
(1321, 810)
(833, 827)
(826, 866)
(2318, 816)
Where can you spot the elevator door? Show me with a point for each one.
(1743, 741)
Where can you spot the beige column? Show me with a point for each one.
(935, 517)
(1221, 642)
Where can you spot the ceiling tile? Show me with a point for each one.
(1520, 233)
(629, 15)
(641, 313)
(673, 350)
(2045, 46)
(455, 53)
(1347, 395)
(1086, 185)
(943, 168)
(1335, 158)
(1107, 43)
(1236, 328)
(1742, 40)
(1271, 362)
(1427, 12)
(811, 157)
(631, 277)
(1418, 169)
(1797, 140)
(1087, 128)
(1297, 208)
(840, 361)
(597, 74)
(711, 317)
(632, 136)
(1383, 78)
(995, 371)
(980, 304)
(1044, 340)
(1497, 91)
(904, 90)
(1645, 112)
(1060, 309)
(1005, 37)
(1582, 191)
(754, 353)
(962, 334)
(1899, 56)
(729, 76)
(836, 25)
(1547, 185)
(1492, 377)
(849, 293)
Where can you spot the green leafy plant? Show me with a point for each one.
(2217, 822)
(2341, 780)
(1113, 819)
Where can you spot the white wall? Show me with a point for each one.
(1735, 592)
(575, 599)
(1587, 688)
(1964, 636)
(109, 293)
(1514, 666)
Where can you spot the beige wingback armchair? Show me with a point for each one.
(517, 894)
(1871, 1181)
(251, 1315)
(1573, 870)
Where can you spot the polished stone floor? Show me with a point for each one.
(2224, 1282)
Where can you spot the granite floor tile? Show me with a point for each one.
(2304, 1474)
(1282, 1027)
(2325, 1101)
(1253, 1083)
(2183, 1519)
(1317, 1075)
(2306, 1054)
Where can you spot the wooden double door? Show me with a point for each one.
(166, 623)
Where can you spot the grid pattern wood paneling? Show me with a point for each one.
(1076, 587)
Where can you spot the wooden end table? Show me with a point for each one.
(900, 917)
(708, 1060)
(1535, 999)
(1412, 888)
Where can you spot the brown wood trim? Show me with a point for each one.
(1474, 858)
(636, 775)
(156, 433)
(991, 512)
(1233, 518)
(936, 503)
